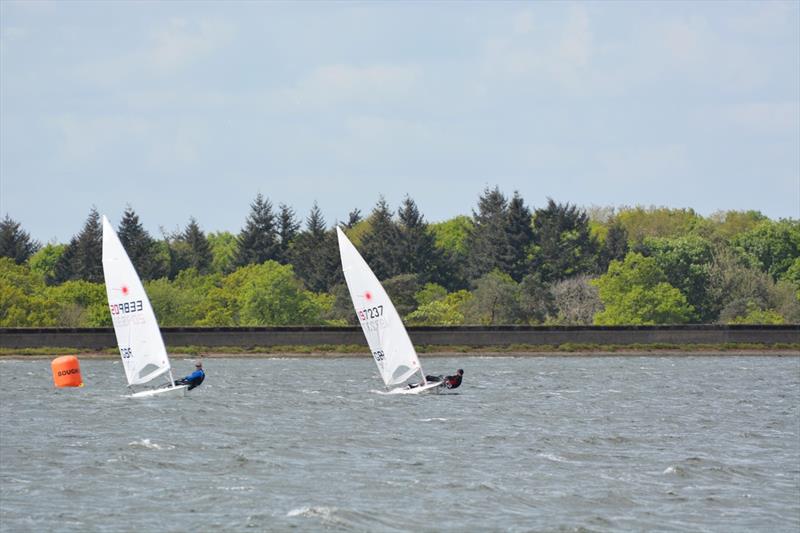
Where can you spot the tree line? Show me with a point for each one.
(507, 263)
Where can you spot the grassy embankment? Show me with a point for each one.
(437, 350)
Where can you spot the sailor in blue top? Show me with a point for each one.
(195, 378)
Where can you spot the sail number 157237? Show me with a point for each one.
(369, 313)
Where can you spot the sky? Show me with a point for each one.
(190, 109)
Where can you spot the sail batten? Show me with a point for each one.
(386, 335)
(135, 325)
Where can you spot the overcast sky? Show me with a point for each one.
(192, 108)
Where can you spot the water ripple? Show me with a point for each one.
(528, 444)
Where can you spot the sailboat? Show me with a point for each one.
(386, 335)
(141, 346)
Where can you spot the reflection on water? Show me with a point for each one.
(557, 443)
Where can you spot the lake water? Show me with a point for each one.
(528, 444)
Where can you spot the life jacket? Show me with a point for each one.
(452, 382)
(195, 382)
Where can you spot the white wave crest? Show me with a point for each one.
(145, 443)
(555, 458)
(321, 512)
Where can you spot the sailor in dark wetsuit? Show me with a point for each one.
(450, 382)
(195, 378)
(454, 382)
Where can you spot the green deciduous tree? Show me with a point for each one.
(444, 311)
(23, 302)
(535, 301)
(15, 242)
(686, 262)
(81, 304)
(430, 292)
(341, 311)
(494, 300)
(635, 291)
(224, 247)
(775, 245)
(402, 289)
(44, 261)
(729, 224)
(172, 304)
(754, 315)
(738, 288)
(640, 222)
(575, 301)
(792, 275)
(453, 234)
(270, 294)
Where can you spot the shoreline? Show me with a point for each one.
(638, 352)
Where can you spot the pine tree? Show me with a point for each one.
(314, 254)
(381, 244)
(190, 249)
(141, 247)
(258, 240)
(615, 247)
(564, 245)
(488, 246)
(83, 258)
(418, 253)
(520, 237)
(287, 230)
(353, 218)
(15, 242)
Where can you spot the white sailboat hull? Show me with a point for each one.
(434, 387)
(177, 391)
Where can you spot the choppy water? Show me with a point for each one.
(529, 444)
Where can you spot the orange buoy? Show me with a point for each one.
(67, 371)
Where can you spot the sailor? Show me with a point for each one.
(195, 378)
(454, 381)
(450, 382)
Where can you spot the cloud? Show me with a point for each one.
(12, 34)
(330, 85)
(765, 18)
(97, 140)
(169, 48)
(778, 117)
(87, 139)
(526, 51)
(182, 42)
(575, 48)
(705, 52)
(640, 165)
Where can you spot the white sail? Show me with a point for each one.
(144, 355)
(387, 337)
